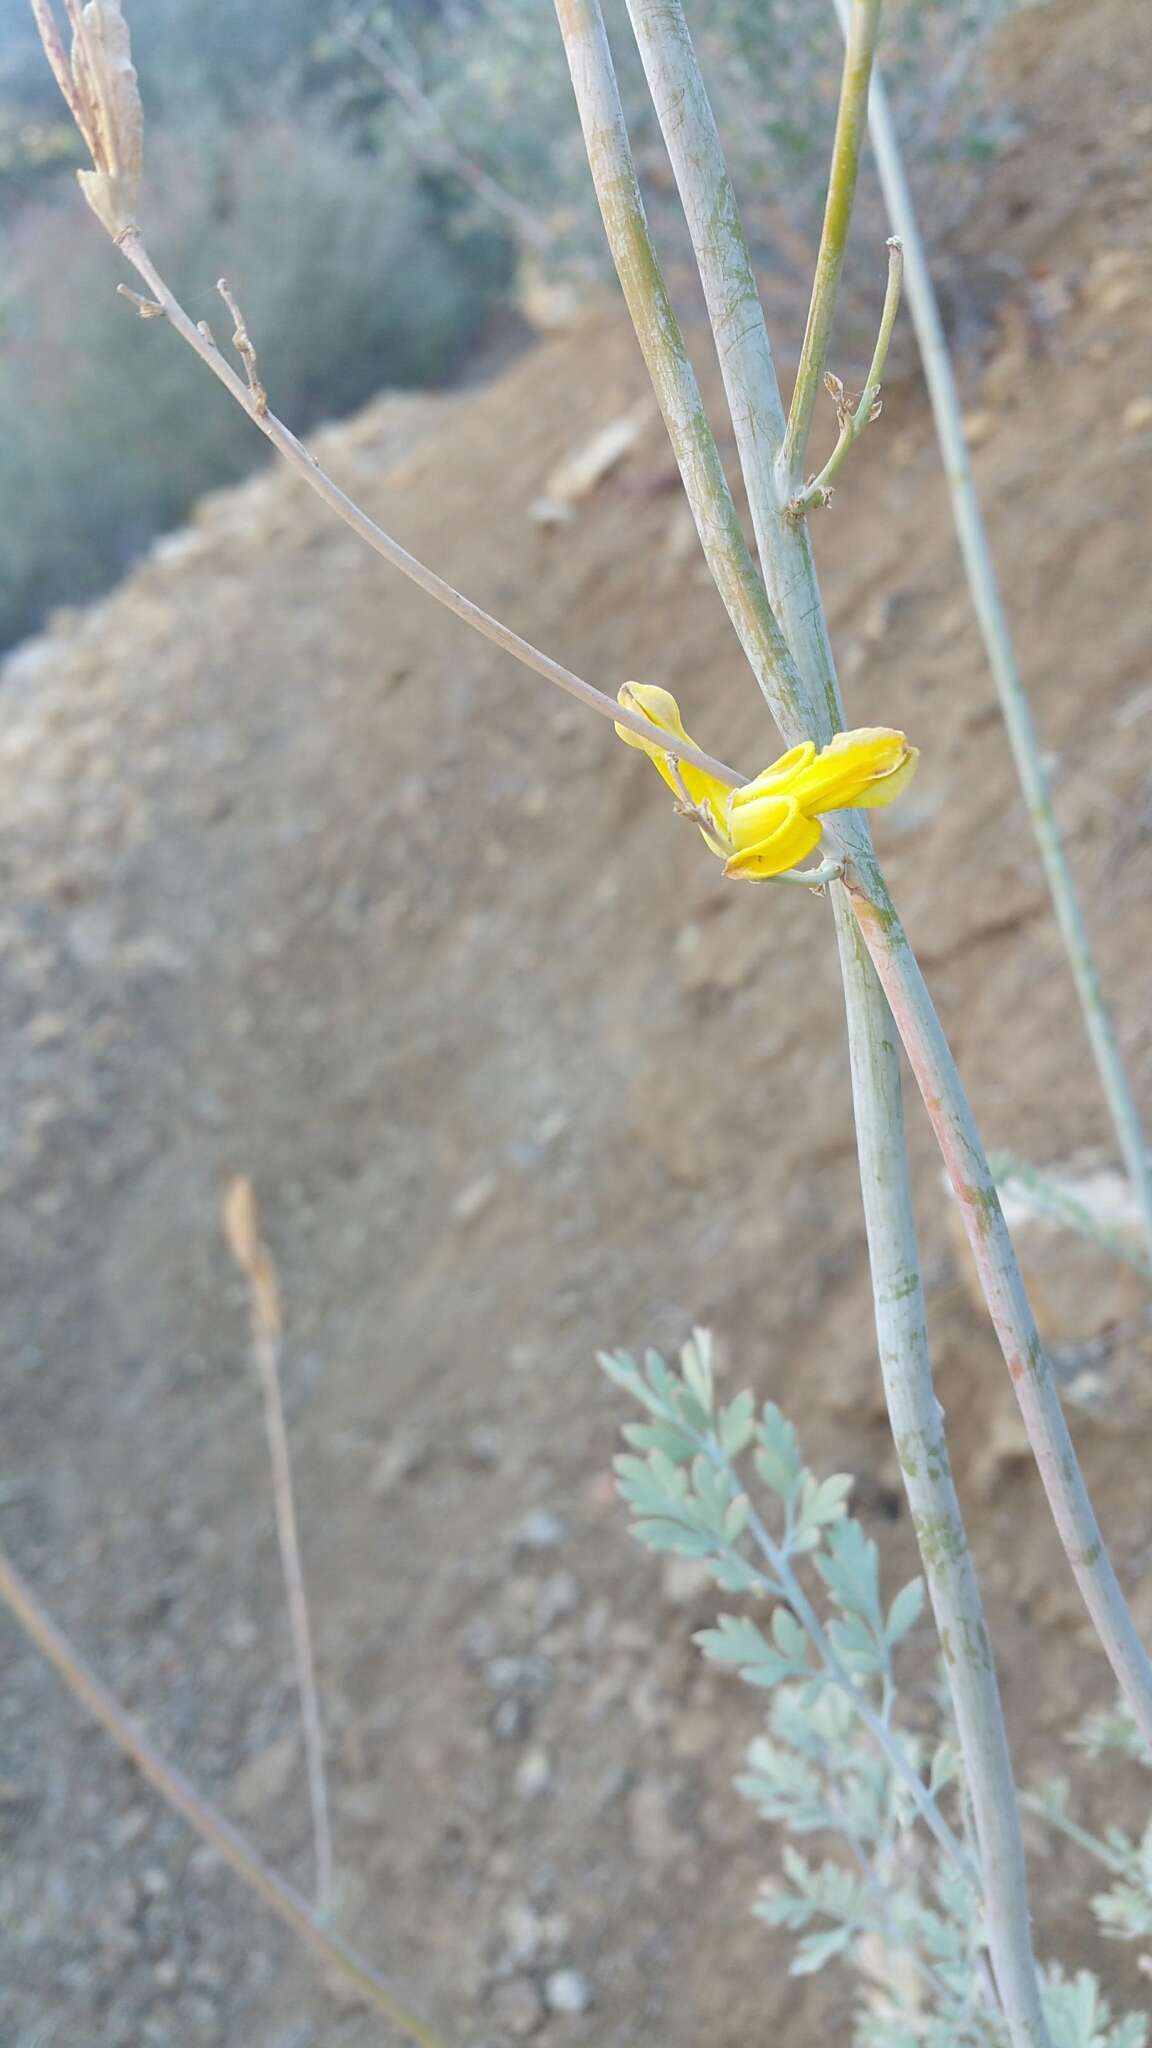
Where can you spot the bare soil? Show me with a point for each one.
(302, 880)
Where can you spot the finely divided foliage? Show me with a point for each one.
(905, 1913)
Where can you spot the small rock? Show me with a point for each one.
(473, 1199)
(978, 426)
(558, 1597)
(484, 1446)
(684, 1580)
(540, 1530)
(529, 1676)
(653, 1833)
(533, 1774)
(512, 1719)
(567, 1992)
(1137, 414)
(47, 1027)
(517, 2007)
(405, 1453)
(265, 1778)
(523, 1932)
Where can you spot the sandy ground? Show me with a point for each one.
(302, 880)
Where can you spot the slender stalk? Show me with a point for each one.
(1120, 1866)
(988, 601)
(306, 466)
(673, 379)
(266, 1349)
(176, 1790)
(1047, 1196)
(862, 31)
(241, 1218)
(1036, 1391)
(921, 1446)
(854, 419)
(784, 1582)
(733, 304)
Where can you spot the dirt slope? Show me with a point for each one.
(301, 879)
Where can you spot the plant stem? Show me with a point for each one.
(266, 1347)
(175, 1789)
(921, 1446)
(306, 466)
(988, 602)
(1118, 1865)
(784, 1583)
(1036, 1392)
(673, 379)
(862, 31)
(697, 158)
(853, 423)
(1047, 1196)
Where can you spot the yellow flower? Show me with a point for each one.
(772, 822)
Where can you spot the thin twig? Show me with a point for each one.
(306, 466)
(988, 601)
(851, 116)
(242, 343)
(854, 420)
(242, 1228)
(176, 1790)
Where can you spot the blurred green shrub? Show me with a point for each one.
(351, 276)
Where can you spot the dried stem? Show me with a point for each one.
(306, 466)
(853, 420)
(988, 601)
(863, 30)
(242, 1228)
(174, 1788)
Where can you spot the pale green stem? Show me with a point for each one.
(784, 1583)
(918, 1433)
(862, 32)
(697, 159)
(1048, 1197)
(673, 379)
(1036, 1391)
(853, 422)
(988, 602)
(1118, 1865)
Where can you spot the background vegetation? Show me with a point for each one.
(372, 181)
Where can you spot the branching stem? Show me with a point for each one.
(988, 601)
(854, 420)
(851, 117)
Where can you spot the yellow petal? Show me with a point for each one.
(867, 767)
(885, 791)
(780, 777)
(769, 834)
(661, 708)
